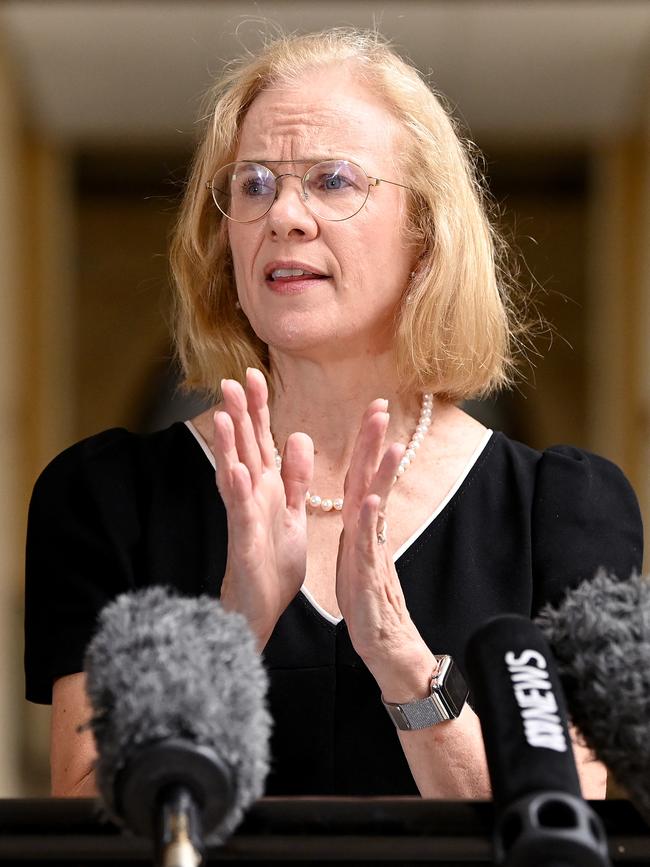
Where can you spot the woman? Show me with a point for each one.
(336, 275)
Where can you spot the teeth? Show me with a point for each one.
(288, 272)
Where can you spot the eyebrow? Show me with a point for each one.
(300, 161)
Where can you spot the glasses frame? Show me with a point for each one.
(372, 182)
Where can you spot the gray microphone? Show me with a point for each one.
(178, 693)
(600, 637)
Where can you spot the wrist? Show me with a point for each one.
(405, 676)
(261, 625)
(445, 701)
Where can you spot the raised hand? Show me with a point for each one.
(367, 586)
(267, 525)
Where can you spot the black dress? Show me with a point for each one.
(120, 511)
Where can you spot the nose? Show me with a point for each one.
(289, 213)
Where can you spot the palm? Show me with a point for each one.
(274, 551)
(267, 534)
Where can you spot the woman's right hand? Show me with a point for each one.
(267, 523)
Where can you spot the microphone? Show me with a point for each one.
(600, 636)
(178, 690)
(542, 819)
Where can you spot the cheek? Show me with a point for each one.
(241, 251)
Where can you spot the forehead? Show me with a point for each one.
(326, 114)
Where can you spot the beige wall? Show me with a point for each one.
(122, 339)
(12, 422)
(619, 306)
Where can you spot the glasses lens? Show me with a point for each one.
(243, 191)
(336, 189)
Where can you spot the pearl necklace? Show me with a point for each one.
(327, 504)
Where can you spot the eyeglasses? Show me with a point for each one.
(332, 189)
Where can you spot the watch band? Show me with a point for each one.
(448, 696)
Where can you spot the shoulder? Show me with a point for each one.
(584, 514)
(569, 482)
(563, 469)
(112, 456)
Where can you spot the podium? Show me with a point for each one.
(297, 831)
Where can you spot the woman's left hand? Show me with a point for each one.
(368, 589)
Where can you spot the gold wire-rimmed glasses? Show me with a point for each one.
(333, 189)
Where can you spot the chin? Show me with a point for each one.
(297, 333)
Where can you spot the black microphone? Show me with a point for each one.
(180, 723)
(600, 636)
(541, 817)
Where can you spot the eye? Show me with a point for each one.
(333, 177)
(255, 187)
(254, 181)
(334, 182)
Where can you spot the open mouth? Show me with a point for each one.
(293, 274)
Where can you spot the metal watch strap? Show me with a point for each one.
(448, 695)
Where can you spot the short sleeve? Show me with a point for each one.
(82, 541)
(585, 517)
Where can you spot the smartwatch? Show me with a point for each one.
(448, 696)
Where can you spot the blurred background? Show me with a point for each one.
(98, 102)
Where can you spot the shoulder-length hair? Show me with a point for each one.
(456, 332)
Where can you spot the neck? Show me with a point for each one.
(327, 401)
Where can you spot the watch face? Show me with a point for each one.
(455, 689)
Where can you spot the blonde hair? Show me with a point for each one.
(456, 332)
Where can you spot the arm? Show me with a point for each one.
(446, 760)
(592, 773)
(72, 753)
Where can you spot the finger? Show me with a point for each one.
(297, 469)
(366, 540)
(366, 453)
(257, 397)
(384, 479)
(241, 510)
(224, 451)
(235, 404)
(233, 478)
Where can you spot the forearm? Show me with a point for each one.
(84, 788)
(446, 760)
(261, 622)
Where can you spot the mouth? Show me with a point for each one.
(292, 279)
(293, 274)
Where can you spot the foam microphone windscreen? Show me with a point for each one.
(163, 669)
(600, 636)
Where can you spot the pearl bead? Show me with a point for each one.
(338, 503)
(400, 470)
(410, 454)
(326, 505)
(314, 500)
